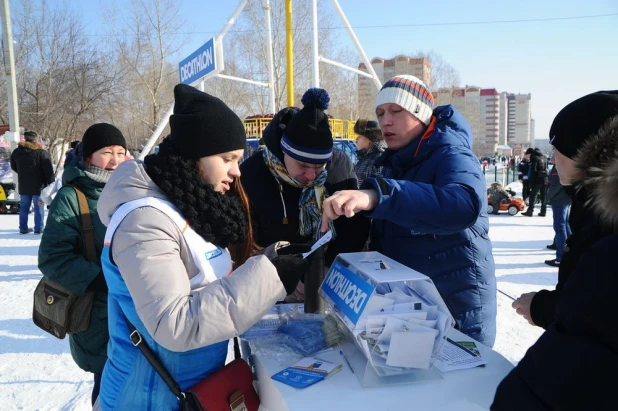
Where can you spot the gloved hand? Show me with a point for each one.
(290, 268)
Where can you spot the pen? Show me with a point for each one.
(461, 346)
(346, 361)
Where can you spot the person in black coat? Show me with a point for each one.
(579, 121)
(573, 364)
(34, 171)
(289, 178)
(537, 178)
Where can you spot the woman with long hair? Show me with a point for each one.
(177, 256)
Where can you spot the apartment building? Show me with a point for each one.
(385, 69)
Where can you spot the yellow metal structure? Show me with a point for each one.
(342, 129)
(2, 194)
(289, 52)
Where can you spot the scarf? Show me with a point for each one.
(95, 173)
(311, 198)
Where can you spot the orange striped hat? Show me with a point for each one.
(410, 93)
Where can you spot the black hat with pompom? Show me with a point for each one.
(308, 137)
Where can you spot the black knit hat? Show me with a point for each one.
(308, 137)
(582, 119)
(203, 125)
(530, 150)
(101, 135)
(369, 129)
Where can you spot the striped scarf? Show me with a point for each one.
(311, 198)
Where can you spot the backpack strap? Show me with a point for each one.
(87, 226)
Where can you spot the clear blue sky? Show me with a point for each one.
(554, 60)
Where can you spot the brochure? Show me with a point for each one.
(459, 355)
(307, 372)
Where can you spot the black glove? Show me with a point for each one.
(290, 268)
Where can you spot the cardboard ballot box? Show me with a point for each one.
(395, 318)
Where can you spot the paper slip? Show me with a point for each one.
(323, 240)
(411, 349)
(307, 372)
(458, 356)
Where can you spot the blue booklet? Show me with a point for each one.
(307, 372)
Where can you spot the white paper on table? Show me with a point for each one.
(410, 349)
(418, 315)
(376, 321)
(425, 323)
(323, 240)
(394, 325)
(377, 303)
(400, 297)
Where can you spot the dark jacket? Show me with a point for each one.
(522, 170)
(267, 208)
(432, 217)
(62, 258)
(556, 194)
(573, 364)
(538, 168)
(365, 166)
(33, 167)
(266, 204)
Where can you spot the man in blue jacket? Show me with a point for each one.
(429, 208)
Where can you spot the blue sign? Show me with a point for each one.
(348, 291)
(198, 64)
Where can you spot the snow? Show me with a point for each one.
(37, 372)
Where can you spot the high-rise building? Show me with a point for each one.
(481, 107)
(519, 122)
(367, 92)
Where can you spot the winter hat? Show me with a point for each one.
(369, 129)
(582, 119)
(101, 135)
(203, 125)
(307, 136)
(410, 93)
(31, 136)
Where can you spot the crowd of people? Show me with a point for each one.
(188, 238)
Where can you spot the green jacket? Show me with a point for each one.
(62, 258)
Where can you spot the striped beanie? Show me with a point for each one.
(307, 136)
(410, 93)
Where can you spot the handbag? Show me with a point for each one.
(228, 389)
(56, 309)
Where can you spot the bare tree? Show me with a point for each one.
(148, 36)
(442, 73)
(62, 76)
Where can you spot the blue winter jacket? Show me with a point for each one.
(432, 217)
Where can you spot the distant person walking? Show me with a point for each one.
(34, 171)
(537, 176)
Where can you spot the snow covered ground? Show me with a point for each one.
(37, 372)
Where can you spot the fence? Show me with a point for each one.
(503, 175)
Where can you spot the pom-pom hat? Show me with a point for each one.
(410, 93)
(308, 137)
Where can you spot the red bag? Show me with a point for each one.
(229, 389)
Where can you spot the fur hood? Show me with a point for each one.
(598, 162)
(29, 145)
